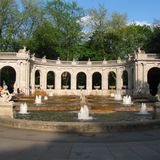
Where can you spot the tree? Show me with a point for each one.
(98, 23)
(31, 16)
(117, 21)
(44, 41)
(105, 38)
(153, 42)
(17, 25)
(65, 19)
(8, 24)
(133, 37)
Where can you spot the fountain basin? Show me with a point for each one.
(103, 120)
(80, 127)
(71, 116)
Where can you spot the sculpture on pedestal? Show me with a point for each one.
(5, 96)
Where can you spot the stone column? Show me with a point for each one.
(58, 80)
(145, 82)
(22, 76)
(135, 76)
(89, 80)
(27, 77)
(16, 84)
(145, 72)
(118, 79)
(129, 71)
(140, 75)
(18, 77)
(43, 79)
(33, 78)
(104, 82)
(73, 81)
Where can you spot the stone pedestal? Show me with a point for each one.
(6, 109)
(156, 111)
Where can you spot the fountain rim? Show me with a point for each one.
(79, 127)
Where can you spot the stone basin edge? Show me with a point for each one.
(79, 127)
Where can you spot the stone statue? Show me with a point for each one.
(5, 96)
(139, 50)
(82, 100)
(44, 59)
(23, 50)
(33, 56)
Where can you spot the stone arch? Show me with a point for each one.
(96, 80)
(37, 79)
(50, 80)
(8, 76)
(153, 79)
(65, 80)
(125, 79)
(111, 80)
(81, 80)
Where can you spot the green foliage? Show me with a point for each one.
(8, 25)
(55, 29)
(153, 42)
(45, 41)
(65, 19)
(98, 22)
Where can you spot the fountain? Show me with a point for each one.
(38, 100)
(143, 109)
(23, 108)
(88, 114)
(50, 94)
(127, 100)
(45, 97)
(118, 96)
(83, 114)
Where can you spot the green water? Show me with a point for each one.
(66, 116)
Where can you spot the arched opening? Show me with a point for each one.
(96, 80)
(50, 80)
(8, 76)
(125, 79)
(66, 80)
(112, 80)
(153, 79)
(81, 80)
(37, 79)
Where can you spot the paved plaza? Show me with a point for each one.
(16, 144)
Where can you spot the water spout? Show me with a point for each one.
(127, 100)
(38, 100)
(83, 114)
(23, 108)
(143, 109)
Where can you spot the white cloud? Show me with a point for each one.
(140, 23)
(85, 20)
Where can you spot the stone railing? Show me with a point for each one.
(7, 55)
(93, 63)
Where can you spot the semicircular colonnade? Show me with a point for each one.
(130, 76)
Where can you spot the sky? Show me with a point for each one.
(138, 11)
(142, 11)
